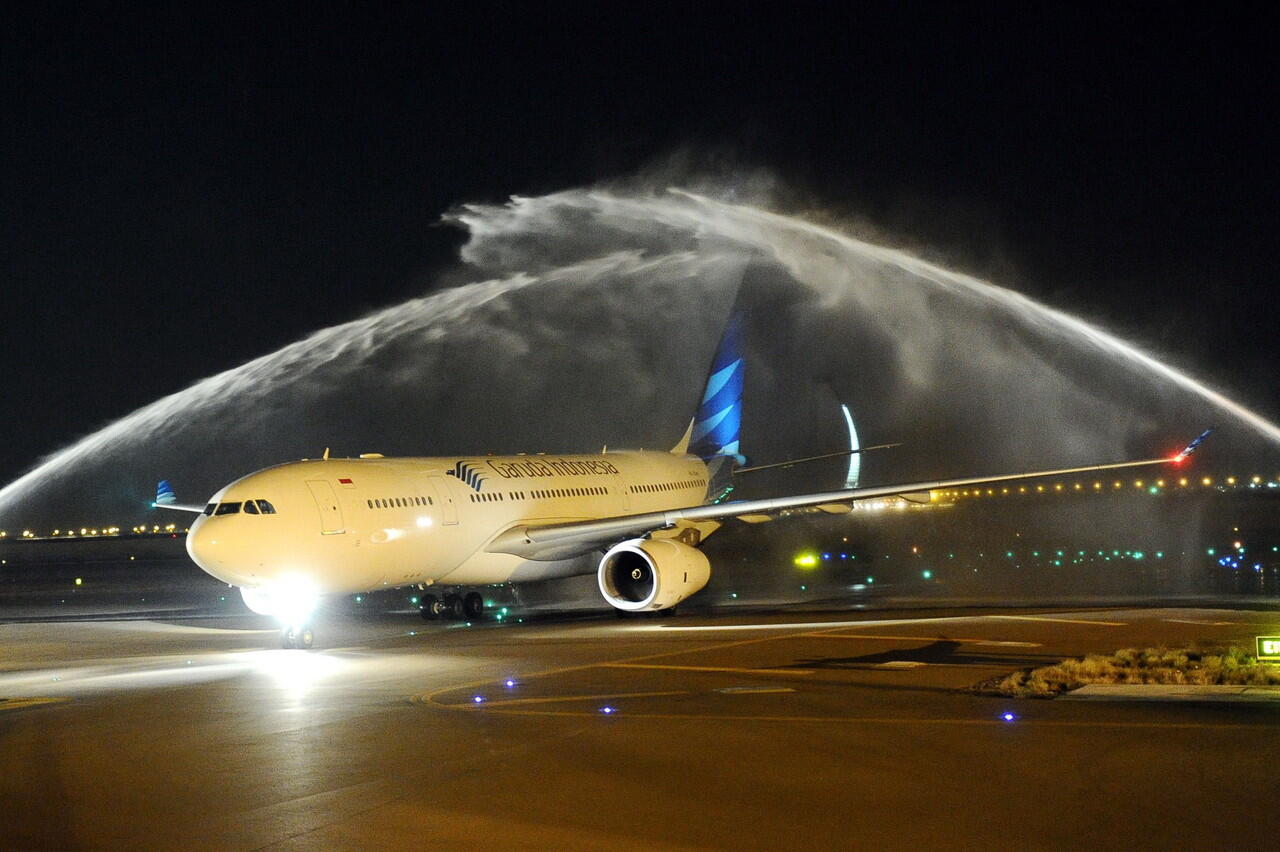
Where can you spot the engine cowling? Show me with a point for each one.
(643, 575)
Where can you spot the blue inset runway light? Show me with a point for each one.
(608, 711)
(1007, 716)
(478, 699)
(510, 683)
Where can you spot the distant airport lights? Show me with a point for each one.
(1151, 487)
(1234, 482)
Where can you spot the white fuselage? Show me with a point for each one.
(342, 526)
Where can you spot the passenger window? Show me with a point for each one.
(227, 509)
(250, 508)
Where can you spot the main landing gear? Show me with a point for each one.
(452, 606)
(297, 637)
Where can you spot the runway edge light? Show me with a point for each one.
(1269, 649)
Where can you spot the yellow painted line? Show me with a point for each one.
(705, 669)
(1064, 620)
(892, 720)
(484, 705)
(1197, 621)
(431, 697)
(19, 703)
(925, 639)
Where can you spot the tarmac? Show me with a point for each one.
(741, 730)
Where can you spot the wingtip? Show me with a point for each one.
(1193, 446)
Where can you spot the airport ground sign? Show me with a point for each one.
(1269, 648)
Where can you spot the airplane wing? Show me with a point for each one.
(166, 499)
(542, 542)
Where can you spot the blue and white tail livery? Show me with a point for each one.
(164, 494)
(717, 426)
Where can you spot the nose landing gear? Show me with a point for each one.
(297, 637)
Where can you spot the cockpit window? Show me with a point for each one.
(227, 509)
(208, 510)
(265, 507)
(250, 508)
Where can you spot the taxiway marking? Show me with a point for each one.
(1200, 622)
(925, 639)
(705, 669)
(488, 705)
(19, 703)
(895, 720)
(1065, 620)
(431, 697)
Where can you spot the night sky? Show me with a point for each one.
(181, 192)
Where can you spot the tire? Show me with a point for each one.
(305, 638)
(288, 638)
(473, 605)
(439, 608)
(455, 606)
(429, 607)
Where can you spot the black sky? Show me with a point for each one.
(181, 191)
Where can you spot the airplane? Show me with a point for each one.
(290, 534)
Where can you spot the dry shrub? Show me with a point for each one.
(1230, 666)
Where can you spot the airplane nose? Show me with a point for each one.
(201, 545)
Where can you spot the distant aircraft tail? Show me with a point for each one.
(164, 494)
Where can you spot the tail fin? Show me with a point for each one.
(716, 427)
(164, 494)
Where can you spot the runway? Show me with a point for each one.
(759, 731)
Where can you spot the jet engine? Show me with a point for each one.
(644, 574)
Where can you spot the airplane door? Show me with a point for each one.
(620, 485)
(330, 514)
(448, 511)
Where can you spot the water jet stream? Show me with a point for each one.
(627, 268)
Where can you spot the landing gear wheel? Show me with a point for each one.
(297, 637)
(454, 605)
(430, 607)
(473, 605)
(439, 608)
